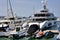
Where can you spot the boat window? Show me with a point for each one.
(2, 29)
(51, 19)
(42, 15)
(44, 11)
(49, 24)
(40, 20)
(18, 22)
(6, 22)
(43, 19)
(11, 18)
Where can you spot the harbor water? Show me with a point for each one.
(25, 38)
(54, 38)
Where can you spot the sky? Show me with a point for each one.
(29, 7)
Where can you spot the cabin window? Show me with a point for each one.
(54, 19)
(42, 15)
(6, 22)
(51, 19)
(12, 18)
(18, 22)
(49, 24)
(37, 19)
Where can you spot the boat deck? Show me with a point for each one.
(54, 31)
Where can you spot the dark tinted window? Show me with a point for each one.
(41, 15)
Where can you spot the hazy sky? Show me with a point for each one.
(29, 7)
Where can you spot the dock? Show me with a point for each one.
(54, 31)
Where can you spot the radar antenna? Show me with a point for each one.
(44, 3)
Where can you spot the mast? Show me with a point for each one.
(9, 8)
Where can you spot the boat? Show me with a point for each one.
(20, 34)
(43, 20)
(8, 25)
(16, 23)
(6, 29)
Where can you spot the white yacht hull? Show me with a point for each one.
(20, 34)
(44, 25)
(47, 24)
(7, 33)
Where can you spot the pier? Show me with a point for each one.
(54, 31)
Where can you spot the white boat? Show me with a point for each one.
(14, 23)
(44, 19)
(20, 34)
(6, 29)
(7, 26)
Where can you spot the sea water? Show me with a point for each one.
(3, 38)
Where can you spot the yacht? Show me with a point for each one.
(14, 29)
(6, 29)
(9, 24)
(43, 20)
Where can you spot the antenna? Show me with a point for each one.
(33, 9)
(44, 3)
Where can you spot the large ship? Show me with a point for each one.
(42, 20)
